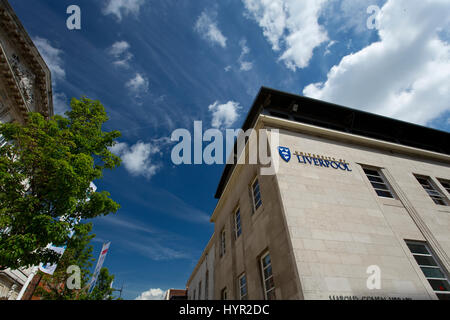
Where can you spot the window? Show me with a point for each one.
(2, 141)
(237, 223)
(266, 270)
(222, 243)
(223, 294)
(243, 294)
(256, 194)
(430, 268)
(434, 194)
(445, 184)
(200, 290)
(194, 295)
(207, 285)
(379, 183)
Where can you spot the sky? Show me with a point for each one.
(158, 66)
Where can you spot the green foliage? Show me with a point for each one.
(103, 290)
(79, 253)
(45, 176)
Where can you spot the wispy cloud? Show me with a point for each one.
(53, 58)
(138, 85)
(206, 26)
(121, 54)
(119, 8)
(224, 115)
(244, 65)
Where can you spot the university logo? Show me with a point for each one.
(285, 153)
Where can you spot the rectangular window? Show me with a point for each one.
(194, 295)
(434, 194)
(222, 243)
(223, 294)
(2, 141)
(200, 290)
(445, 184)
(237, 223)
(431, 269)
(379, 183)
(256, 194)
(243, 294)
(266, 270)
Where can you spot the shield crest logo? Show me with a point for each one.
(285, 153)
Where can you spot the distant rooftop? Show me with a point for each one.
(331, 116)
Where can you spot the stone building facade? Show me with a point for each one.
(358, 209)
(25, 86)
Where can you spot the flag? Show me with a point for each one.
(101, 259)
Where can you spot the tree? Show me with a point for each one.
(78, 253)
(103, 289)
(45, 176)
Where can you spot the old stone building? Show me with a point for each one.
(358, 209)
(25, 86)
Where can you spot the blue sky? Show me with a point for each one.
(161, 65)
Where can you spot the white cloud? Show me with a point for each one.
(138, 84)
(151, 294)
(224, 115)
(120, 52)
(122, 7)
(244, 65)
(52, 57)
(206, 26)
(137, 158)
(290, 24)
(60, 103)
(406, 74)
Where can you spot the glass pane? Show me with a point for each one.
(442, 296)
(439, 285)
(271, 295)
(375, 179)
(267, 272)
(425, 261)
(385, 194)
(266, 261)
(418, 248)
(432, 272)
(269, 284)
(243, 281)
(379, 186)
(371, 172)
(439, 201)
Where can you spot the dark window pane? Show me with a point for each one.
(379, 186)
(439, 285)
(432, 272)
(425, 261)
(443, 296)
(371, 172)
(418, 248)
(386, 194)
(375, 179)
(271, 295)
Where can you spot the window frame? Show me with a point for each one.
(437, 265)
(223, 247)
(252, 191)
(243, 297)
(224, 294)
(267, 291)
(382, 178)
(237, 227)
(445, 181)
(438, 195)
